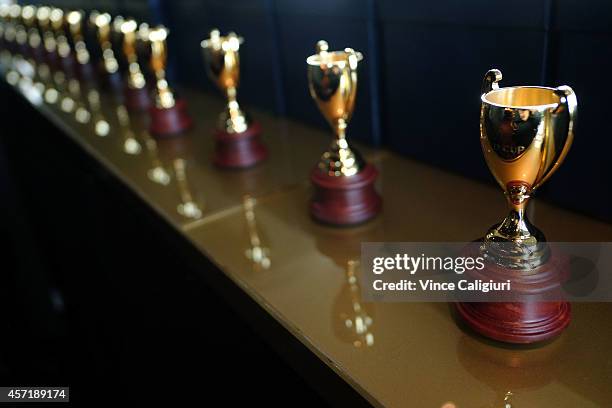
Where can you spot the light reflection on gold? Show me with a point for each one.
(258, 254)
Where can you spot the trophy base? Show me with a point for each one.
(137, 100)
(517, 323)
(239, 150)
(525, 321)
(167, 122)
(344, 200)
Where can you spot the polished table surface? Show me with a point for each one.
(254, 225)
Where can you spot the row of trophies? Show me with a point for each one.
(72, 50)
(525, 133)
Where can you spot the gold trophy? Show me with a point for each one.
(237, 138)
(136, 92)
(75, 20)
(344, 183)
(168, 114)
(525, 133)
(110, 65)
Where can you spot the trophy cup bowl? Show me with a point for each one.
(237, 138)
(168, 114)
(344, 183)
(525, 134)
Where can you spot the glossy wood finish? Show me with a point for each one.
(345, 201)
(412, 354)
(524, 322)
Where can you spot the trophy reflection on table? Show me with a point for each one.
(354, 318)
(131, 145)
(174, 154)
(257, 253)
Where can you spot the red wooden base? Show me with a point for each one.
(345, 200)
(171, 121)
(526, 321)
(519, 323)
(239, 150)
(137, 100)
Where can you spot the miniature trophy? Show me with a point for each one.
(525, 133)
(84, 68)
(343, 182)
(168, 114)
(237, 138)
(110, 65)
(135, 91)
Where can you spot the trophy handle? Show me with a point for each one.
(566, 111)
(490, 81)
(567, 103)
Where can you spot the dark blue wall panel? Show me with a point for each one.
(583, 38)
(342, 24)
(434, 62)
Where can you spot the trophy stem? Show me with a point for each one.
(231, 95)
(516, 226)
(233, 108)
(341, 130)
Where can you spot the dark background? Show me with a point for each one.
(423, 67)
